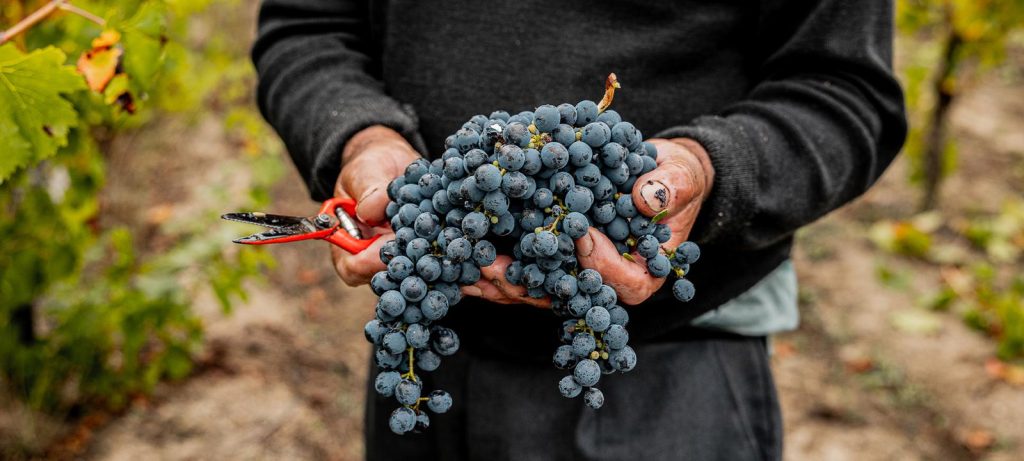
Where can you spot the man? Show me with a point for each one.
(767, 115)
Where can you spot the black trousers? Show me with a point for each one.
(697, 399)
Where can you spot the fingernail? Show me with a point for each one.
(359, 204)
(472, 291)
(655, 195)
(585, 246)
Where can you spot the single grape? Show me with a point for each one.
(647, 246)
(619, 315)
(545, 243)
(564, 357)
(586, 112)
(381, 283)
(587, 373)
(484, 253)
(439, 401)
(407, 392)
(589, 281)
(427, 360)
(623, 359)
(579, 198)
(604, 297)
(554, 156)
(596, 134)
(575, 224)
(683, 290)
(511, 157)
(394, 341)
(475, 225)
(569, 387)
(583, 344)
(594, 398)
(435, 305)
(616, 337)
(385, 383)
(413, 288)
(374, 330)
(687, 253)
(417, 336)
(445, 341)
(517, 133)
(470, 273)
(428, 268)
(402, 420)
(659, 266)
(392, 302)
(598, 318)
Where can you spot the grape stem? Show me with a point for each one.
(42, 13)
(609, 92)
(411, 374)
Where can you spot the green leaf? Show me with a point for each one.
(34, 117)
(144, 36)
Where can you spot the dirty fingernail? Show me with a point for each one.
(472, 291)
(585, 246)
(655, 195)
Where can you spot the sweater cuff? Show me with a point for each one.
(728, 210)
(344, 121)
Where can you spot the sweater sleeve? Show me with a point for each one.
(820, 125)
(317, 86)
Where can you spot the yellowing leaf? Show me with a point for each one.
(34, 116)
(99, 66)
(106, 39)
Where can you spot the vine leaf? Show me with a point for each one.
(34, 116)
(101, 63)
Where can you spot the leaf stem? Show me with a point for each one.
(42, 13)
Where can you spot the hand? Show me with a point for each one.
(679, 185)
(494, 287)
(371, 159)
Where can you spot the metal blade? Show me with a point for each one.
(265, 236)
(272, 221)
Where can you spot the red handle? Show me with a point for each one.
(340, 236)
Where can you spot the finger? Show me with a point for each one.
(366, 178)
(486, 290)
(495, 274)
(357, 269)
(670, 186)
(630, 279)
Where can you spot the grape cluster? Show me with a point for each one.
(527, 185)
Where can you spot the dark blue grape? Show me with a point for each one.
(546, 118)
(394, 341)
(402, 420)
(662, 233)
(429, 268)
(391, 302)
(687, 253)
(586, 112)
(563, 134)
(583, 344)
(623, 359)
(564, 357)
(619, 315)
(511, 157)
(374, 330)
(413, 288)
(575, 225)
(407, 392)
(445, 341)
(647, 246)
(533, 163)
(475, 225)
(604, 297)
(609, 117)
(385, 383)
(470, 273)
(598, 318)
(554, 156)
(594, 398)
(400, 267)
(587, 373)
(616, 337)
(427, 360)
(440, 401)
(641, 225)
(569, 388)
(517, 133)
(484, 253)
(434, 305)
(579, 198)
(381, 283)
(596, 134)
(626, 134)
(515, 185)
(417, 336)
(683, 290)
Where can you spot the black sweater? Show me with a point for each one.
(795, 101)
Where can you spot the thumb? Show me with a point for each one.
(674, 184)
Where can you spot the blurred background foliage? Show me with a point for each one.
(97, 305)
(93, 312)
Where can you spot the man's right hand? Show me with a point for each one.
(371, 159)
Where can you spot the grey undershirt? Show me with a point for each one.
(767, 308)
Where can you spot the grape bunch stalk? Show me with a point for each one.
(527, 185)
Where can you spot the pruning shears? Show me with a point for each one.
(333, 223)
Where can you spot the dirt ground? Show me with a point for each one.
(282, 377)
